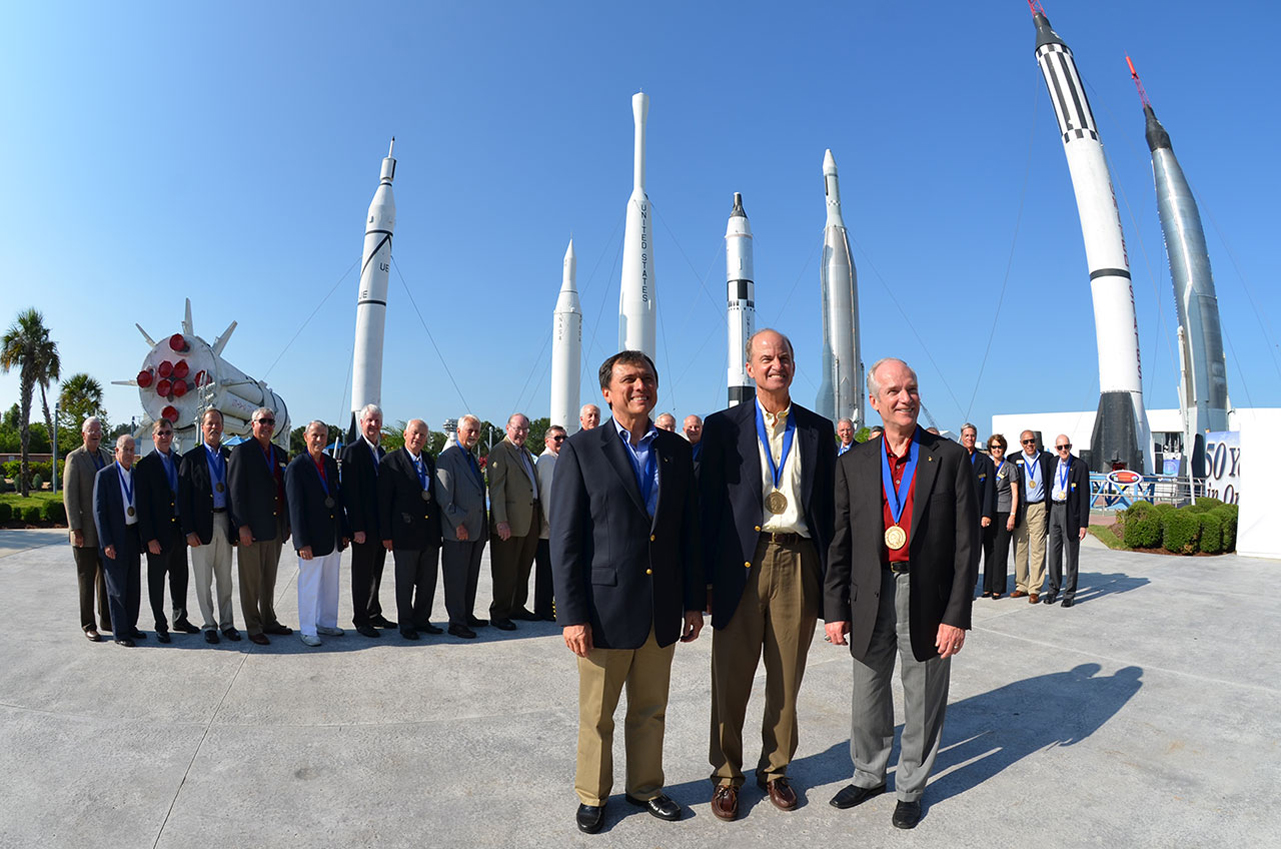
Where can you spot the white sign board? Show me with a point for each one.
(1223, 466)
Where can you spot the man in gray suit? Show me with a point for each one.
(77, 496)
(460, 489)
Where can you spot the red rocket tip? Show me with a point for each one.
(1138, 84)
(1036, 7)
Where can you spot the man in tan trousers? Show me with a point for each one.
(516, 513)
(77, 496)
(766, 484)
(1036, 468)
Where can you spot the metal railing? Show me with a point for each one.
(1107, 494)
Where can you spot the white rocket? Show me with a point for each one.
(637, 306)
(741, 301)
(1121, 432)
(840, 391)
(567, 347)
(371, 302)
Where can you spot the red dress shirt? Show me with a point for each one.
(897, 467)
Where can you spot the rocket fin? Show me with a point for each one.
(186, 322)
(151, 343)
(221, 341)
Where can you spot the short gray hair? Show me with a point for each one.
(90, 422)
(873, 387)
(314, 422)
(970, 426)
(849, 422)
(261, 411)
(121, 439)
(747, 348)
(367, 411)
(468, 417)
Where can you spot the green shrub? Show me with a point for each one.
(1163, 507)
(5, 486)
(1207, 503)
(6, 513)
(1180, 531)
(1228, 513)
(1211, 532)
(13, 468)
(1142, 526)
(31, 514)
(55, 512)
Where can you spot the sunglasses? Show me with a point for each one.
(1029, 442)
(560, 438)
(267, 421)
(1064, 447)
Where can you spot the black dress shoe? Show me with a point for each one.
(1067, 602)
(211, 636)
(504, 624)
(138, 635)
(231, 634)
(430, 629)
(590, 818)
(259, 639)
(93, 636)
(906, 814)
(852, 795)
(523, 615)
(462, 631)
(660, 806)
(368, 631)
(126, 642)
(163, 636)
(381, 621)
(474, 622)
(185, 627)
(278, 630)
(1049, 598)
(409, 633)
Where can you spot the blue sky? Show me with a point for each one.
(228, 152)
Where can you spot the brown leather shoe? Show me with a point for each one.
(1033, 598)
(780, 792)
(725, 802)
(1017, 594)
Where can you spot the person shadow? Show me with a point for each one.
(1089, 586)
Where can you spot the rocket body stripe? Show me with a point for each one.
(1121, 427)
(740, 315)
(567, 348)
(371, 300)
(637, 301)
(840, 391)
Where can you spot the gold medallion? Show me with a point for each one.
(130, 511)
(219, 487)
(895, 537)
(776, 502)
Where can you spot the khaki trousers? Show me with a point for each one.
(258, 564)
(601, 675)
(776, 614)
(210, 563)
(1029, 537)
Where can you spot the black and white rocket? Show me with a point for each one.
(840, 390)
(637, 305)
(1203, 384)
(740, 312)
(567, 347)
(371, 300)
(1121, 434)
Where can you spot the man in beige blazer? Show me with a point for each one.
(77, 496)
(517, 517)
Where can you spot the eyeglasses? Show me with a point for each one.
(1029, 441)
(267, 421)
(1064, 447)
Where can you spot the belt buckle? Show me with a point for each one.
(899, 568)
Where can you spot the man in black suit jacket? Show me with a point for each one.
(359, 466)
(900, 577)
(984, 475)
(409, 515)
(1069, 519)
(160, 531)
(203, 497)
(115, 517)
(766, 496)
(628, 583)
(320, 534)
(260, 514)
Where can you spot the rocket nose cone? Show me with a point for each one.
(640, 106)
(569, 251)
(1156, 135)
(1045, 34)
(829, 162)
(737, 211)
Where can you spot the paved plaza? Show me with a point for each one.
(1147, 715)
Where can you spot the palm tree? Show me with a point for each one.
(81, 397)
(26, 346)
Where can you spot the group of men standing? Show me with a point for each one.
(771, 533)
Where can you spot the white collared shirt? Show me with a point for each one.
(792, 519)
(128, 499)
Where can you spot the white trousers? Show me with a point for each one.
(211, 563)
(318, 592)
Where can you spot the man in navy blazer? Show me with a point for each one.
(766, 497)
(203, 497)
(320, 534)
(409, 515)
(161, 532)
(1069, 519)
(900, 579)
(115, 517)
(628, 582)
(360, 461)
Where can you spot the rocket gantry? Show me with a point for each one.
(371, 301)
(1121, 433)
(840, 391)
(637, 304)
(567, 345)
(740, 300)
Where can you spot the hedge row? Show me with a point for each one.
(13, 468)
(1209, 526)
(33, 514)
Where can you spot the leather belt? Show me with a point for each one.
(898, 568)
(220, 509)
(787, 538)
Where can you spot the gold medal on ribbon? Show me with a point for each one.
(776, 502)
(219, 487)
(130, 511)
(895, 537)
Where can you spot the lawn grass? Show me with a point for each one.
(16, 501)
(1105, 535)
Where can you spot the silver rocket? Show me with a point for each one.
(840, 392)
(567, 346)
(1121, 434)
(371, 300)
(741, 301)
(637, 306)
(1203, 387)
